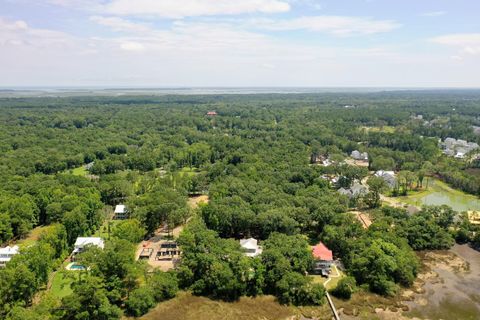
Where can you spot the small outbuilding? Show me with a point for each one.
(251, 247)
(120, 212)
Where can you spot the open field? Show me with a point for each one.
(61, 284)
(32, 237)
(384, 129)
(194, 201)
(189, 307)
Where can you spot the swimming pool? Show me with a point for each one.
(75, 266)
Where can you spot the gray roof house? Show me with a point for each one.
(356, 190)
(387, 176)
(357, 155)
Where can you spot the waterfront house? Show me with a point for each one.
(323, 259)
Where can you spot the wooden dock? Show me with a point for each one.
(332, 306)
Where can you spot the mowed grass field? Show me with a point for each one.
(189, 307)
(61, 283)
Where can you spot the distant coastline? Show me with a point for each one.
(160, 91)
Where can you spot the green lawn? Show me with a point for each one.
(61, 283)
(102, 232)
(186, 171)
(385, 129)
(337, 275)
(32, 237)
(80, 171)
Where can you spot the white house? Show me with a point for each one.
(6, 254)
(82, 242)
(356, 190)
(388, 177)
(120, 212)
(357, 155)
(251, 247)
(458, 148)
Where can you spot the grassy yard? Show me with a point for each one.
(32, 237)
(102, 232)
(80, 171)
(385, 129)
(186, 171)
(61, 283)
(336, 276)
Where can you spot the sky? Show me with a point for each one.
(240, 43)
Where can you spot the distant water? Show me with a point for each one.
(119, 91)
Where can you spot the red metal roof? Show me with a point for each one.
(321, 252)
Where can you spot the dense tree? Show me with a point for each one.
(130, 230)
(89, 301)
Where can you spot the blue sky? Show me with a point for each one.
(165, 43)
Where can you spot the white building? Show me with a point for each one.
(387, 176)
(355, 191)
(458, 148)
(357, 155)
(251, 247)
(120, 212)
(6, 254)
(82, 242)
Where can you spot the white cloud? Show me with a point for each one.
(467, 42)
(119, 24)
(335, 25)
(132, 46)
(434, 14)
(19, 32)
(190, 8)
(313, 4)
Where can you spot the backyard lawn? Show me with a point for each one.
(61, 283)
(335, 276)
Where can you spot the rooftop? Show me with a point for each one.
(321, 252)
(83, 241)
(120, 208)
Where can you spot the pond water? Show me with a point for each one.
(442, 194)
(455, 296)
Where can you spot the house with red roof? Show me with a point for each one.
(211, 113)
(323, 259)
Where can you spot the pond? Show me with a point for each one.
(439, 193)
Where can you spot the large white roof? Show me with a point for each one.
(120, 208)
(249, 243)
(9, 250)
(83, 241)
